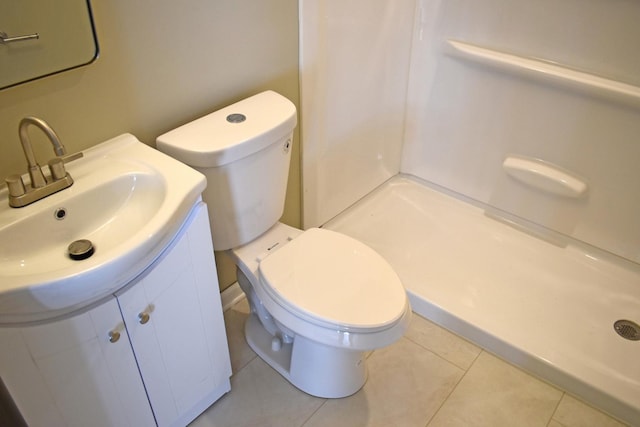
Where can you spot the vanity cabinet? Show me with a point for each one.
(154, 354)
(68, 373)
(174, 319)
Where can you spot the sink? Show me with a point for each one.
(107, 214)
(128, 199)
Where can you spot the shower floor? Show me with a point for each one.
(545, 308)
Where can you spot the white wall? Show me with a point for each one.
(464, 115)
(354, 67)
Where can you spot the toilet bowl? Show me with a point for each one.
(325, 299)
(319, 300)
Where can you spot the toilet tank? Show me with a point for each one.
(244, 151)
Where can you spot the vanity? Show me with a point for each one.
(134, 334)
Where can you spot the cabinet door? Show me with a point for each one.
(174, 318)
(68, 373)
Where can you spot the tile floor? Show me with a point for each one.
(430, 377)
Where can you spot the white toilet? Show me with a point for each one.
(319, 300)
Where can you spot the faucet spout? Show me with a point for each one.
(58, 147)
(35, 173)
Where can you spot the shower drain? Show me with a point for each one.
(627, 329)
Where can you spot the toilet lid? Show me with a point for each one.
(329, 278)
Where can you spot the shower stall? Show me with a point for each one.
(490, 150)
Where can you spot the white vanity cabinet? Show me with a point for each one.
(174, 319)
(68, 373)
(155, 354)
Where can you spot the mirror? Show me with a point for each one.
(39, 38)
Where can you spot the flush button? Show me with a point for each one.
(236, 118)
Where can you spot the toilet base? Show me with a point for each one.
(314, 368)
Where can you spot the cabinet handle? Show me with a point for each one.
(143, 317)
(114, 336)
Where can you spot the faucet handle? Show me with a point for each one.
(71, 157)
(56, 167)
(15, 185)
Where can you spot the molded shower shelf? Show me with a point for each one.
(544, 176)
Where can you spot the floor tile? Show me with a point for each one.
(574, 413)
(449, 346)
(260, 397)
(406, 385)
(494, 393)
(409, 382)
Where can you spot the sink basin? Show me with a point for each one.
(128, 199)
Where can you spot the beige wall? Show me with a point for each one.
(162, 63)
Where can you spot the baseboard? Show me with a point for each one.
(230, 296)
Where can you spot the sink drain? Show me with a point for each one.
(627, 329)
(80, 249)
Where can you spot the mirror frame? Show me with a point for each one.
(24, 54)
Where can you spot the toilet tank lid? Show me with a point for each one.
(232, 132)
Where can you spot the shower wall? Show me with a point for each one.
(354, 66)
(504, 101)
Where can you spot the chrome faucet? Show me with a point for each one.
(40, 187)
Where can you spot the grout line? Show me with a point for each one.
(442, 357)
(466, 371)
(556, 409)
(437, 355)
(313, 413)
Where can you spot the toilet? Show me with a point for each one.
(319, 300)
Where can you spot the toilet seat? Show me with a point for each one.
(334, 281)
